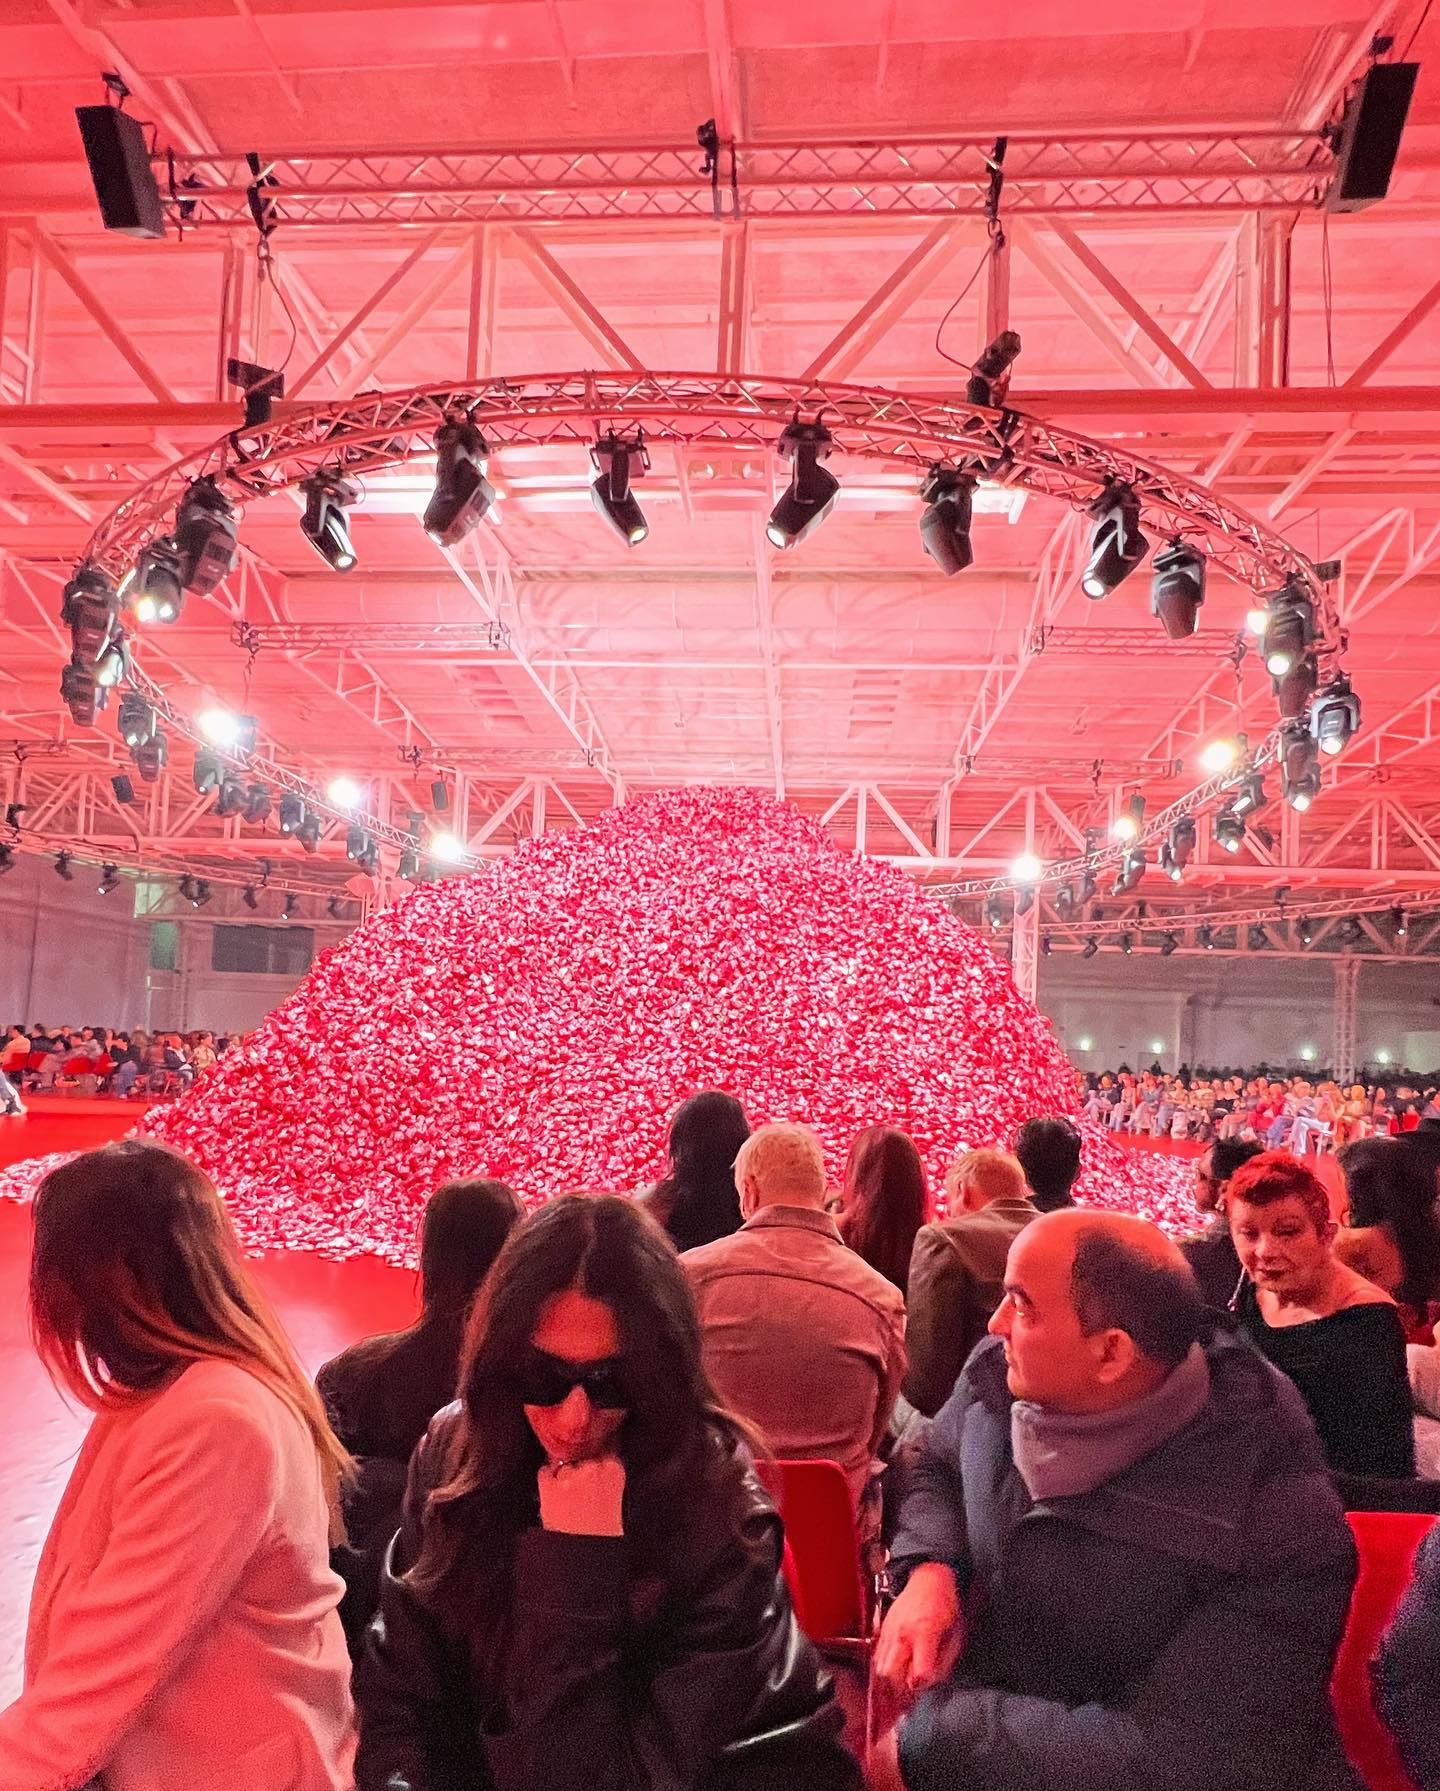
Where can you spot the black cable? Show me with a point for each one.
(1419, 26)
(991, 248)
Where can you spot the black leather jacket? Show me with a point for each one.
(599, 1676)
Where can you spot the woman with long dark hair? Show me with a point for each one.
(586, 1588)
(696, 1200)
(183, 1626)
(1392, 1234)
(884, 1201)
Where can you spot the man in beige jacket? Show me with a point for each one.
(957, 1270)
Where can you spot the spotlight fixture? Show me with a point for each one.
(333, 906)
(292, 813)
(1294, 690)
(409, 866)
(288, 911)
(1024, 900)
(1305, 929)
(440, 796)
(209, 772)
(325, 525)
(136, 720)
(1222, 753)
(1090, 947)
(1251, 796)
(123, 788)
(186, 887)
(949, 498)
(152, 758)
(1299, 764)
(257, 804)
(227, 730)
(1335, 716)
(62, 867)
(1352, 932)
(1398, 922)
(13, 812)
(1130, 819)
(1127, 943)
(1116, 544)
(1165, 859)
(1169, 945)
(615, 460)
(994, 914)
(113, 665)
(1045, 945)
(1204, 937)
(1182, 844)
(201, 895)
(1065, 900)
(204, 538)
(82, 696)
(1132, 869)
(1177, 589)
(990, 376)
(1229, 830)
(1289, 627)
(109, 878)
(7, 859)
(1089, 886)
(232, 797)
(344, 792)
(462, 492)
(357, 842)
(1256, 938)
(812, 491)
(250, 898)
(87, 609)
(1300, 792)
(155, 590)
(308, 833)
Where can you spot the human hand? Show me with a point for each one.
(583, 1498)
(923, 1632)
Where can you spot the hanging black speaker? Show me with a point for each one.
(119, 159)
(1370, 135)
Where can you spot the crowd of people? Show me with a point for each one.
(523, 1543)
(1279, 1110)
(93, 1060)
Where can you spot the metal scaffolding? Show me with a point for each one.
(1342, 1046)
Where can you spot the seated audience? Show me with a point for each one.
(1211, 1254)
(1392, 1233)
(1122, 1564)
(1049, 1153)
(1337, 1335)
(800, 1336)
(182, 1625)
(696, 1201)
(1406, 1671)
(884, 1201)
(958, 1270)
(381, 1393)
(587, 1589)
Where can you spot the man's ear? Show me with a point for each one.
(1114, 1354)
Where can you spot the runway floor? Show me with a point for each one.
(323, 1305)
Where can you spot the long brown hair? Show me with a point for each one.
(885, 1201)
(136, 1273)
(675, 1429)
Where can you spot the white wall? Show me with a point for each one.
(68, 955)
(1234, 1010)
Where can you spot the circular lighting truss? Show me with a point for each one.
(353, 437)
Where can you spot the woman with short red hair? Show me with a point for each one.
(1335, 1334)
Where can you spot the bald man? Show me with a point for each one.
(1134, 1512)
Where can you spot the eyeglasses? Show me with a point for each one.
(550, 1380)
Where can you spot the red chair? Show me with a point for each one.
(837, 1603)
(1387, 1541)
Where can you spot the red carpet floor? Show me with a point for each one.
(323, 1305)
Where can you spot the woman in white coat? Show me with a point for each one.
(183, 1633)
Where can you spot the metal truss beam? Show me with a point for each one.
(1215, 172)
